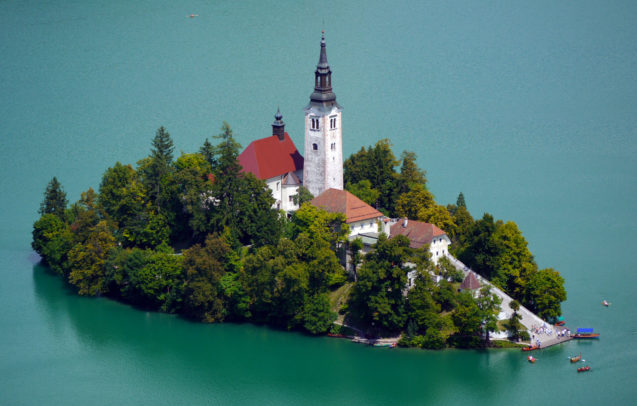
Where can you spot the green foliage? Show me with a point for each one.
(438, 216)
(410, 174)
(364, 191)
(377, 298)
(54, 200)
(467, 319)
(52, 239)
(410, 204)
(203, 267)
(460, 201)
(489, 305)
(317, 316)
(87, 260)
(303, 195)
(376, 164)
(544, 293)
(155, 174)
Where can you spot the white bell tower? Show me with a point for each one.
(323, 161)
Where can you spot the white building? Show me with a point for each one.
(276, 160)
(323, 168)
(362, 218)
(421, 234)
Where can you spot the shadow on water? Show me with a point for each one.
(236, 357)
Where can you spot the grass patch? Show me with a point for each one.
(505, 344)
(339, 296)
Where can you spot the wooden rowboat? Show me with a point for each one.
(535, 347)
(584, 369)
(576, 359)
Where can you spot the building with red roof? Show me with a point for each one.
(276, 161)
(421, 234)
(360, 216)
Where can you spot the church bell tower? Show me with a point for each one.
(323, 167)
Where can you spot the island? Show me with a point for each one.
(355, 248)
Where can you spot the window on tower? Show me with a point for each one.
(333, 146)
(315, 146)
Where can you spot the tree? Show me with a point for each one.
(54, 200)
(410, 204)
(514, 263)
(204, 266)
(364, 191)
(303, 195)
(87, 260)
(355, 247)
(410, 174)
(377, 298)
(545, 292)
(317, 315)
(161, 158)
(489, 305)
(467, 318)
(513, 325)
(438, 216)
(52, 239)
(159, 283)
(460, 201)
(208, 152)
(376, 164)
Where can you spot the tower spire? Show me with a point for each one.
(278, 127)
(323, 95)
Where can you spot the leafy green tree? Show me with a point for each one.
(460, 201)
(514, 263)
(545, 292)
(120, 265)
(489, 305)
(204, 267)
(303, 195)
(84, 215)
(438, 216)
(464, 223)
(291, 289)
(422, 309)
(434, 340)
(355, 247)
(467, 318)
(377, 298)
(317, 315)
(159, 283)
(410, 174)
(208, 152)
(52, 239)
(54, 200)
(364, 191)
(378, 165)
(514, 327)
(410, 204)
(481, 251)
(87, 260)
(159, 165)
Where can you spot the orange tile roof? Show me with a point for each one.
(270, 157)
(418, 232)
(342, 201)
(470, 282)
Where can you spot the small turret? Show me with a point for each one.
(278, 127)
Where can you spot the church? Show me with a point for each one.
(276, 160)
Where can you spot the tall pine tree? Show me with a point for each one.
(54, 200)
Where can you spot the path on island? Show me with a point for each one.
(538, 328)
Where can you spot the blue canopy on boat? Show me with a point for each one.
(584, 330)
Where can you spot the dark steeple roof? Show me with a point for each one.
(323, 96)
(278, 127)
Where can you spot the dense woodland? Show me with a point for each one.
(194, 235)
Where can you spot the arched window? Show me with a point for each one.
(315, 146)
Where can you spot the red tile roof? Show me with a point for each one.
(470, 282)
(342, 201)
(419, 233)
(270, 157)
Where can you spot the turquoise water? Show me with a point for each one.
(530, 109)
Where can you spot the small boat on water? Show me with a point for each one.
(584, 369)
(583, 333)
(530, 348)
(605, 303)
(576, 359)
(389, 345)
(531, 359)
(560, 321)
